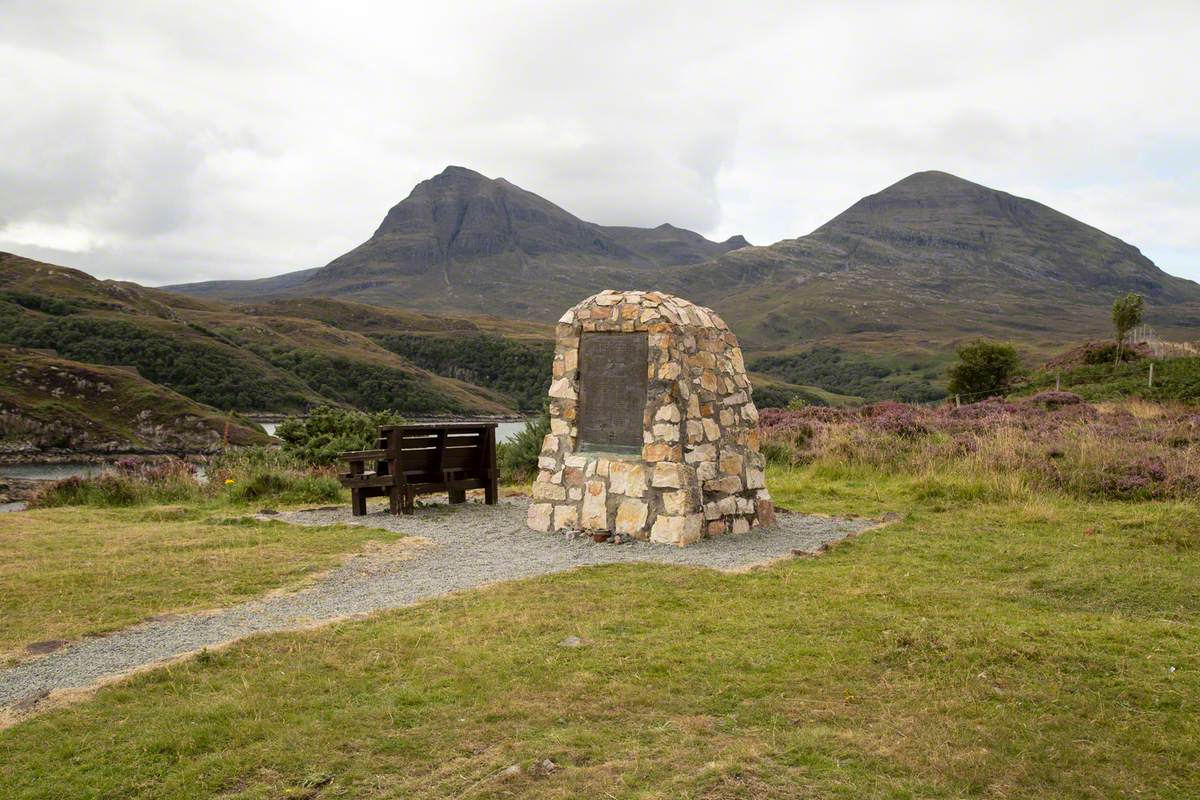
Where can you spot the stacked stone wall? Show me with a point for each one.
(699, 472)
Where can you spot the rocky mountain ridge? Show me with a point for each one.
(460, 239)
(938, 257)
(916, 266)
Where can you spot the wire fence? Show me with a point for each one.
(1159, 348)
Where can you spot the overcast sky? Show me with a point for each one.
(180, 141)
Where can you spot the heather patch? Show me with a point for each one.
(1052, 441)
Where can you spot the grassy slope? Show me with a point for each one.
(1031, 647)
(322, 355)
(67, 573)
(370, 320)
(63, 403)
(771, 392)
(1176, 379)
(269, 362)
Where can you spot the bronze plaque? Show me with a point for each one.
(612, 391)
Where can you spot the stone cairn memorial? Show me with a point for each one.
(653, 434)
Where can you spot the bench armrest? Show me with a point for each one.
(362, 455)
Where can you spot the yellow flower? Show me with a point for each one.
(229, 481)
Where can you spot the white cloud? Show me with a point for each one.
(167, 142)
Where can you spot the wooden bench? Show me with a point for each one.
(420, 459)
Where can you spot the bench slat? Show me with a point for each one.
(355, 482)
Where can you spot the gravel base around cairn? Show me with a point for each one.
(467, 546)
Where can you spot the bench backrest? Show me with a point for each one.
(432, 449)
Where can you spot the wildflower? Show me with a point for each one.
(229, 481)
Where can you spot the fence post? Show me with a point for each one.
(1151, 381)
(957, 403)
(1058, 380)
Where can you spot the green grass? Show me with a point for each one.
(66, 573)
(984, 646)
(1176, 379)
(771, 392)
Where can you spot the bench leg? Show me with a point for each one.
(409, 500)
(458, 495)
(358, 503)
(491, 492)
(394, 499)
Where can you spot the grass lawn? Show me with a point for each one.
(68, 572)
(984, 646)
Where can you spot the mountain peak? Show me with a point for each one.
(453, 171)
(463, 231)
(934, 182)
(932, 199)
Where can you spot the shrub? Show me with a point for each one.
(326, 432)
(517, 459)
(778, 453)
(984, 369)
(260, 474)
(1056, 399)
(1109, 354)
(241, 476)
(895, 418)
(128, 482)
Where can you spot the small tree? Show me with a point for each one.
(984, 368)
(1126, 315)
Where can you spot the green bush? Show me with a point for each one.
(778, 453)
(518, 459)
(269, 474)
(47, 305)
(984, 369)
(257, 475)
(129, 482)
(326, 432)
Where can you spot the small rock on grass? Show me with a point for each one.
(571, 641)
(543, 767)
(30, 699)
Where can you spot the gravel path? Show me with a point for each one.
(469, 545)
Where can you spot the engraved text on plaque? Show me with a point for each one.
(612, 390)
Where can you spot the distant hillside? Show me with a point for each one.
(907, 272)
(465, 243)
(259, 287)
(930, 260)
(218, 355)
(871, 305)
(50, 404)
